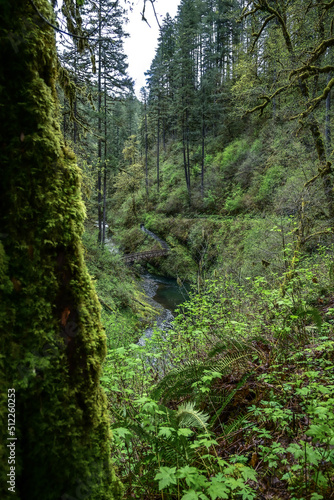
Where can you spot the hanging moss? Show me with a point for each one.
(51, 343)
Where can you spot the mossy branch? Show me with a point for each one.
(268, 99)
(259, 33)
(315, 102)
(328, 5)
(324, 171)
(307, 71)
(318, 51)
(263, 5)
(315, 235)
(106, 305)
(83, 38)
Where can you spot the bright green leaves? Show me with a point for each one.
(122, 432)
(218, 489)
(223, 485)
(193, 495)
(166, 477)
(167, 431)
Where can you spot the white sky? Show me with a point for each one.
(141, 44)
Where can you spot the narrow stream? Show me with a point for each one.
(167, 292)
(166, 295)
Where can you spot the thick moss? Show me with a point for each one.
(51, 343)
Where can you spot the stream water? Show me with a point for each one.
(167, 292)
(165, 295)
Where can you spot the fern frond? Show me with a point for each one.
(188, 416)
(313, 313)
(228, 344)
(229, 398)
(234, 426)
(179, 381)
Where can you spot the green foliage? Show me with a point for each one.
(270, 181)
(241, 361)
(114, 282)
(162, 437)
(234, 201)
(304, 464)
(232, 154)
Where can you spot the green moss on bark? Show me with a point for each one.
(51, 344)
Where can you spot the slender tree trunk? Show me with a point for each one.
(185, 156)
(99, 152)
(328, 119)
(203, 120)
(274, 99)
(146, 149)
(75, 100)
(105, 165)
(158, 150)
(64, 118)
(185, 162)
(203, 154)
(188, 150)
(164, 131)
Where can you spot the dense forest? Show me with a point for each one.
(219, 179)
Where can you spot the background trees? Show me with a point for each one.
(100, 74)
(187, 82)
(228, 59)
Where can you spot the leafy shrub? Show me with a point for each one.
(269, 183)
(233, 153)
(234, 202)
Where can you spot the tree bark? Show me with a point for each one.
(51, 343)
(75, 127)
(105, 166)
(328, 120)
(99, 152)
(158, 151)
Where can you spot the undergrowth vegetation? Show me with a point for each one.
(125, 309)
(236, 399)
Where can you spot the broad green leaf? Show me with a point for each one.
(122, 432)
(190, 495)
(218, 490)
(184, 432)
(166, 431)
(166, 477)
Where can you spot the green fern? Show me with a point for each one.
(228, 399)
(226, 344)
(235, 426)
(313, 313)
(188, 416)
(179, 381)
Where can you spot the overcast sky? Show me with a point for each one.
(140, 46)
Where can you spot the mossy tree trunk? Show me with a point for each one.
(51, 342)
